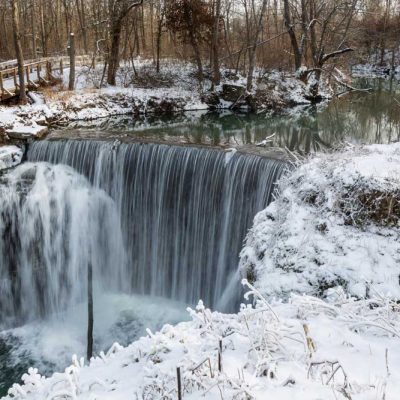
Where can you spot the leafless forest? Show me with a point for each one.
(238, 34)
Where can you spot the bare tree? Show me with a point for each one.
(18, 51)
(118, 11)
(192, 20)
(323, 28)
(215, 43)
(259, 17)
(71, 48)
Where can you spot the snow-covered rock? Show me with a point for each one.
(335, 223)
(10, 156)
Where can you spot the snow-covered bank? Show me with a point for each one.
(304, 349)
(336, 223)
(375, 71)
(174, 90)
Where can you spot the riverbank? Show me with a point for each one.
(143, 91)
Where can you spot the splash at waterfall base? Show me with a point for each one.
(341, 346)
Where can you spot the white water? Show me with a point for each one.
(161, 226)
(184, 211)
(50, 343)
(52, 225)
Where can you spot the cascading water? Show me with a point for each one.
(184, 212)
(52, 225)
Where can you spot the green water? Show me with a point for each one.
(359, 117)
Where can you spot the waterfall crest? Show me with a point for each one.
(184, 211)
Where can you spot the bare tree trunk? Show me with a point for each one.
(71, 62)
(43, 30)
(80, 6)
(197, 55)
(215, 44)
(33, 23)
(18, 51)
(118, 11)
(253, 48)
(159, 34)
(113, 61)
(292, 34)
(194, 43)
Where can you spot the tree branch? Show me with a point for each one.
(336, 53)
(133, 5)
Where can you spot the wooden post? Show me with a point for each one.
(38, 72)
(90, 312)
(27, 75)
(48, 70)
(15, 78)
(220, 356)
(61, 67)
(1, 84)
(178, 376)
(71, 62)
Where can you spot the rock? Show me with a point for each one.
(232, 93)
(10, 156)
(211, 99)
(26, 131)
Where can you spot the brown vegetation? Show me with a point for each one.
(237, 34)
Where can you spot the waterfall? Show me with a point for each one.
(183, 211)
(52, 225)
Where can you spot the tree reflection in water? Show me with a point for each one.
(359, 117)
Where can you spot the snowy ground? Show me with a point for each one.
(303, 349)
(336, 223)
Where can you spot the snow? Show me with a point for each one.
(320, 233)
(369, 70)
(306, 348)
(10, 156)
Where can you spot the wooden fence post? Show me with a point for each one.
(220, 356)
(48, 70)
(178, 376)
(1, 84)
(15, 78)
